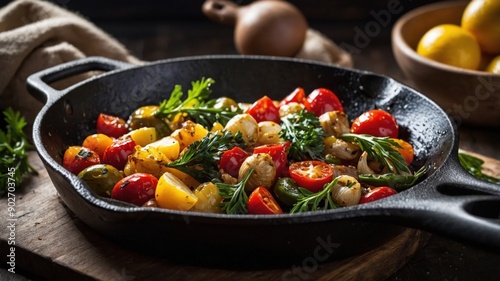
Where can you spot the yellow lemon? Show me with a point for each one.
(494, 66)
(452, 45)
(482, 19)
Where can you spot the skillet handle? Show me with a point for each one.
(473, 220)
(38, 83)
(451, 203)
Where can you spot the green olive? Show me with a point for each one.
(144, 116)
(226, 103)
(286, 191)
(101, 178)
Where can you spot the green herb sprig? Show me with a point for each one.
(234, 196)
(200, 159)
(474, 166)
(382, 149)
(396, 181)
(305, 134)
(14, 145)
(310, 201)
(197, 106)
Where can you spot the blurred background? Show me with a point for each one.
(154, 30)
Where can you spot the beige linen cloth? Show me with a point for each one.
(35, 35)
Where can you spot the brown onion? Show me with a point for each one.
(266, 27)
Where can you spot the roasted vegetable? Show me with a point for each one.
(101, 178)
(246, 125)
(346, 191)
(145, 116)
(172, 193)
(264, 171)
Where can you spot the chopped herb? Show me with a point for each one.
(382, 150)
(310, 201)
(474, 166)
(234, 196)
(197, 106)
(13, 152)
(200, 159)
(305, 134)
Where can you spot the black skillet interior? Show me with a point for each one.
(70, 115)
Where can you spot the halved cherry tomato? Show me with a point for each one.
(298, 96)
(376, 122)
(231, 160)
(117, 153)
(264, 110)
(311, 174)
(137, 188)
(111, 126)
(376, 194)
(262, 202)
(322, 100)
(406, 150)
(278, 152)
(77, 158)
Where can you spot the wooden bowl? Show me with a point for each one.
(468, 96)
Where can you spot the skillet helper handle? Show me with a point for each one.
(38, 83)
(473, 220)
(451, 203)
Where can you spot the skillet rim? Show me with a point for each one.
(361, 211)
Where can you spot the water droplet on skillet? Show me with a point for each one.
(68, 108)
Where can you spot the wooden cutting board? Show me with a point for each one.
(52, 243)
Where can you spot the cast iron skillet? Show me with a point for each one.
(448, 201)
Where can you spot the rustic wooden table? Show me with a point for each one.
(53, 244)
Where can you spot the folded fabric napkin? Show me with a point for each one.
(35, 35)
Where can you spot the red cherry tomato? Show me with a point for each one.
(264, 110)
(298, 96)
(278, 152)
(376, 122)
(376, 194)
(262, 202)
(231, 160)
(137, 188)
(311, 174)
(77, 158)
(111, 126)
(117, 153)
(322, 100)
